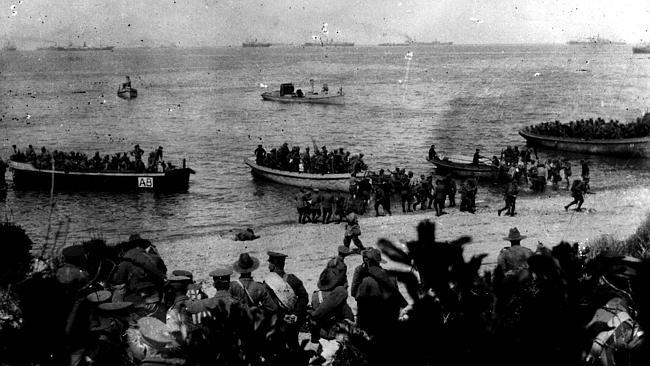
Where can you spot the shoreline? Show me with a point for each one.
(616, 212)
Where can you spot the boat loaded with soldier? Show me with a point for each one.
(75, 171)
(330, 170)
(593, 136)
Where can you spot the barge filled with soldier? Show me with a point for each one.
(75, 171)
(593, 136)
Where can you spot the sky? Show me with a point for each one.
(205, 23)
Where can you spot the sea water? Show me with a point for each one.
(204, 105)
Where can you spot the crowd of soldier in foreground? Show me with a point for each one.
(594, 129)
(79, 162)
(119, 305)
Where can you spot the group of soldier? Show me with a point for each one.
(516, 165)
(422, 193)
(594, 129)
(321, 206)
(80, 162)
(126, 309)
(538, 174)
(321, 161)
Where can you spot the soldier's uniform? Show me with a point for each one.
(327, 205)
(316, 204)
(337, 264)
(352, 231)
(299, 308)
(510, 198)
(194, 290)
(439, 199)
(246, 290)
(290, 295)
(329, 303)
(138, 277)
(405, 193)
(301, 204)
(222, 300)
(378, 298)
(260, 154)
(511, 260)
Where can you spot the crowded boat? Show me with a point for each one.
(590, 129)
(73, 161)
(319, 161)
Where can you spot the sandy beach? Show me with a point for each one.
(540, 217)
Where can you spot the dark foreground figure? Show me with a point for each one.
(94, 304)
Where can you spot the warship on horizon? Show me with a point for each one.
(70, 47)
(9, 46)
(413, 43)
(595, 41)
(255, 43)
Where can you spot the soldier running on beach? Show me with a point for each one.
(352, 231)
(510, 197)
(578, 189)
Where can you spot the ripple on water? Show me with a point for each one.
(204, 105)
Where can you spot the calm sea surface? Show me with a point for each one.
(204, 105)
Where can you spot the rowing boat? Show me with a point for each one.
(465, 170)
(333, 182)
(26, 176)
(628, 147)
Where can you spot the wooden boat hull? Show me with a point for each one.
(332, 182)
(127, 94)
(635, 147)
(337, 99)
(464, 170)
(25, 176)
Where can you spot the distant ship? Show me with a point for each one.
(70, 47)
(255, 43)
(412, 43)
(9, 46)
(329, 44)
(641, 49)
(595, 41)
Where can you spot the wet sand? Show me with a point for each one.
(540, 217)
